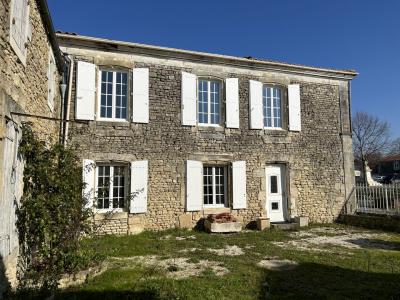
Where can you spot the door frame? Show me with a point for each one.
(285, 189)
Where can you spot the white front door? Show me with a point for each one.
(275, 185)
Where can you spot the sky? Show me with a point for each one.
(362, 35)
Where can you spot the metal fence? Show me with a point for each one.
(383, 199)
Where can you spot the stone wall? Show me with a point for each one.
(314, 157)
(373, 221)
(27, 84)
(23, 89)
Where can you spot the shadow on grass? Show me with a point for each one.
(376, 244)
(316, 281)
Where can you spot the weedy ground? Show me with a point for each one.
(318, 262)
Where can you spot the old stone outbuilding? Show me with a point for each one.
(30, 71)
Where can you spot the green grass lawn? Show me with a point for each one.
(367, 266)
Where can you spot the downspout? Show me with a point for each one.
(63, 87)
(70, 77)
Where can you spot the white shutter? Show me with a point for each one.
(85, 91)
(194, 185)
(88, 178)
(140, 99)
(139, 175)
(256, 105)
(239, 184)
(232, 102)
(294, 107)
(189, 96)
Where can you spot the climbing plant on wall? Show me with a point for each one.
(52, 216)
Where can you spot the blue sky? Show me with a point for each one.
(363, 35)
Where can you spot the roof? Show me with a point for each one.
(391, 157)
(72, 39)
(48, 25)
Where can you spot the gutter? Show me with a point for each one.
(165, 52)
(48, 25)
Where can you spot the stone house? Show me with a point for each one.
(168, 136)
(30, 70)
(389, 164)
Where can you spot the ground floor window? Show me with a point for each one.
(111, 186)
(214, 186)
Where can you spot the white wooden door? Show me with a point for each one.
(275, 185)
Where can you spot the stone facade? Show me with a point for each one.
(318, 159)
(23, 90)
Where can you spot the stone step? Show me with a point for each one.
(285, 226)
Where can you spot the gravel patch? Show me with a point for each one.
(228, 251)
(178, 268)
(275, 264)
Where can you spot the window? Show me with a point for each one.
(51, 80)
(19, 27)
(396, 165)
(114, 95)
(209, 102)
(111, 187)
(272, 106)
(214, 186)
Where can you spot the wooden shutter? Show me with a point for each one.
(189, 96)
(139, 178)
(85, 91)
(256, 105)
(194, 185)
(140, 99)
(88, 178)
(294, 107)
(239, 184)
(232, 102)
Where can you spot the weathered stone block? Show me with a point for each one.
(302, 221)
(185, 221)
(223, 227)
(263, 223)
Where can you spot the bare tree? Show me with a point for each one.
(395, 146)
(370, 137)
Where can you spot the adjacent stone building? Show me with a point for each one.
(168, 136)
(30, 71)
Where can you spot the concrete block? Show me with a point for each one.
(222, 227)
(185, 221)
(302, 221)
(263, 223)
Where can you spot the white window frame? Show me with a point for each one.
(21, 53)
(111, 188)
(209, 80)
(396, 165)
(214, 204)
(114, 90)
(272, 86)
(51, 80)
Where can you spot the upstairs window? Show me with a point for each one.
(113, 95)
(111, 187)
(51, 77)
(272, 106)
(396, 165)
(19, 27)
(214, 186)
(209, 102)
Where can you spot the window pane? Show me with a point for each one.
(103, 187)
(275, 206)
(214, 95)
(106, 94)
(274, 184)
(203, 101)
(119, 187)
(121, 95)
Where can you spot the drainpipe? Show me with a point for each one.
(70, 77)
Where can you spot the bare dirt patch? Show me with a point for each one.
(275, 264)
(319, 239)
(178, 268)
(228, 251)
